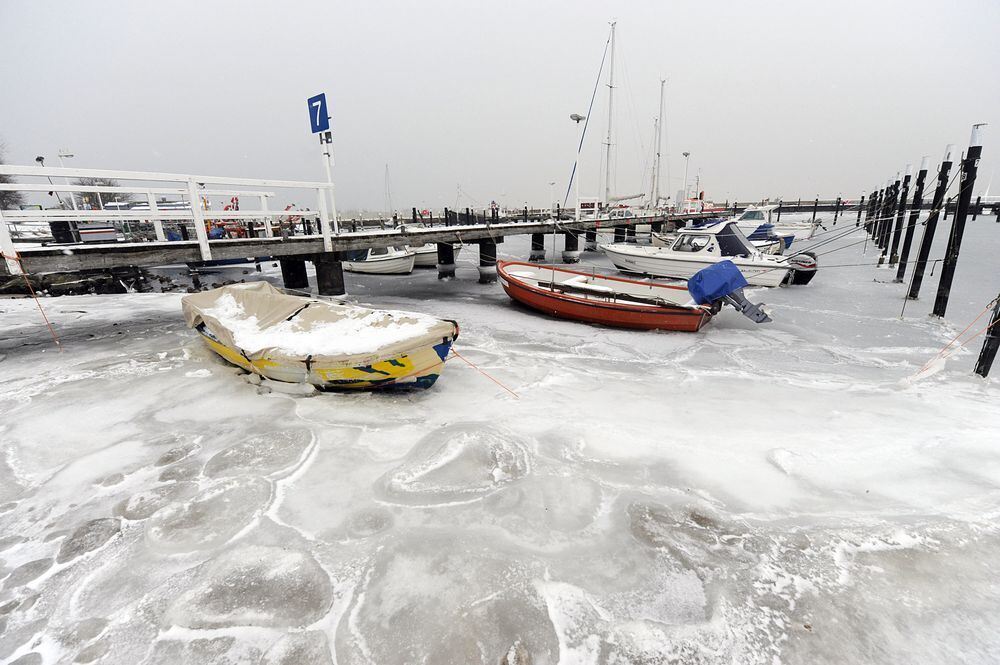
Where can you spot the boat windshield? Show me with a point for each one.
(752, 216)
(379, 251)
(691, 242)
(733, 243)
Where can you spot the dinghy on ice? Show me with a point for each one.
(303, 340)
(625, 303)
(381, 261)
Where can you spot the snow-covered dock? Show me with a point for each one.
(751, 494)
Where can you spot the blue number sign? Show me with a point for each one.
(319, 119)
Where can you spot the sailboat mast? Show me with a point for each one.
(656, 160)
(611, 98)
(659, 148)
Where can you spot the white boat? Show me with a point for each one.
(426, 254)
(383, 261)
(769, 246)
(698, 248)
(754, 217)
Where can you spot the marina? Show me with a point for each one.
(558, 339)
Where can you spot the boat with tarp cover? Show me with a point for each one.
(331, 346)
(625, 303)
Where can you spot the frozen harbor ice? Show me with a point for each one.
(771, 494)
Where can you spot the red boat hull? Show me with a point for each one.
(618, 315)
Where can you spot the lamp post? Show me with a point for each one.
(687, 155)
(552, 194)
(577, 118)
(67, 154)
(41, 162)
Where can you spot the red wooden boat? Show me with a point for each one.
(603, 299)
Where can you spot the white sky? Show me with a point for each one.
(771, 98)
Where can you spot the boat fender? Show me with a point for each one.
(724, 281)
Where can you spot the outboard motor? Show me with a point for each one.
(724, 282)
(803, 268)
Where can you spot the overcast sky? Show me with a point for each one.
(470, 101)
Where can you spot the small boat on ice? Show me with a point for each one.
(754, 217)
(304, 340)
(381, 261)
(426, 254)
(698, 248)
(625, 303)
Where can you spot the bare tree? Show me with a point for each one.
(8, 200)
(92, 198)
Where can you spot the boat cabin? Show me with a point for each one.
(720, 239)
(756, 214)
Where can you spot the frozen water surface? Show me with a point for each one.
(772, 494)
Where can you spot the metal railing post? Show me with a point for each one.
(324, 220)
(7, 247)
(154, 216)
(199, 221)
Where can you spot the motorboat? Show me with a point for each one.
(763, 243)
(295, 339)
(697, 248)
(426, 254)
(381, 261)
(753, 218)
(625, 303)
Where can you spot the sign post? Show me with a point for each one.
(319, 123)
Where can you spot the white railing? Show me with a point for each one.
(192, 191)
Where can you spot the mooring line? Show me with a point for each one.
(31, 290)
(483, 372)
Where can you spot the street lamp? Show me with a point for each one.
(552, 193)
(67, 154)
(686, 160)
(41, 162)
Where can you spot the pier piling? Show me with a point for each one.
(970, 165)
(991, 343)
(571, 247)
(930, 226)
(446, 260)
(861, 208)
(900, 216)
(918, 195)
(537, 247)
(293, 273)
(487, 261)
(329, 274)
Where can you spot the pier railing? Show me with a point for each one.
(190, 208)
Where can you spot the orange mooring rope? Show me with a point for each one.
(944, 353)
(24, 274)
(459, 355)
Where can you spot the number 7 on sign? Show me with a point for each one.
(319, 119)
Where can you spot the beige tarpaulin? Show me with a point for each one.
(262, 322)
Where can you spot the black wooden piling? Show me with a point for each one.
(329, 274)
(897, 234)
(991, 343)
(930, 226)
(815, 208)
(571, 247)
(918, 196)
(861, 207)
(487, 260)
(619, 234)
(447, 217)
(537, 247)
(947, 206)
(976, 208)
(293, 273)
(970, 166)
(836, 211)
(445, 260)
(184, 232)
(779, 210)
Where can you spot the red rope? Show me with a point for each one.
(27, 282)
(459, 355)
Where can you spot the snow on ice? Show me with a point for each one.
(747, 494)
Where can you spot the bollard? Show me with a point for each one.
(991, 343)
(537, 247)
(446, 260)
(571, 247)
(970, 165)
(901, 215)
(487, 261)
(329, 274)
(918, 195)
(930, 226)
(293, 273)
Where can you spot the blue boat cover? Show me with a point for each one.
(715, 281)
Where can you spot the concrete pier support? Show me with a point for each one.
(537, 247)
(630, 234)
(293, 273)
(487, 261)
(329, 274)
(446, 260)
(619, 234)
(590, 241)
(571, 247)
